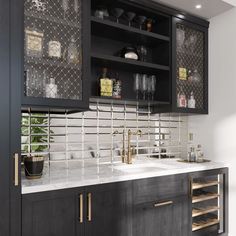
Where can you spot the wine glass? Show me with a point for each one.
(152, 85)
(65, 7)
(130, 16)
(144, 85)
(141, 20)
(117, 12)
(137, 84)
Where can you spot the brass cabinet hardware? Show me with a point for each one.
(81, 209)
(89, 207)
(163, 204)
(16, 166)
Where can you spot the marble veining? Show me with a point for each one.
(61, 176)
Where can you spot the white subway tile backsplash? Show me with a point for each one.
(88, 135)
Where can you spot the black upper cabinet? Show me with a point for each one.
(110, 35)
(189, 67)
(177, 54)
(56, 61)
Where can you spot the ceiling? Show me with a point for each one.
(210, 8)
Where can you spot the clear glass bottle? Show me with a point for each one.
(73, 54)
(51, 89)
(192, 101)
(182, 101)
(54, 46)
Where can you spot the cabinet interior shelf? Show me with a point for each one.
(52, 19)
(131, 102)
(204, 185)
(113, 30)
(51, 63)
(204, 224)
(204, 197)
(127, 64)
(202, 211)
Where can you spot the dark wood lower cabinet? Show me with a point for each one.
(53, 213)
(170, 219)
(119, 209)
(110, 210)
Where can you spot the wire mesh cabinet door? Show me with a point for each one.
(190, 67)
(56, 49)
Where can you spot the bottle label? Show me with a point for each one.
(106, 87)
(54, 49)
(182, 73)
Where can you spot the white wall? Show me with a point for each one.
(217, 131)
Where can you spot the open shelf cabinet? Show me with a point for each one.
(109, 37)
(208, 194)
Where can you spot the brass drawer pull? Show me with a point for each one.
(163, 204)
(16, 177)
(81, 209)
(89, 207)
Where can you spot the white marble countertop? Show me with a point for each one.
(59, 176)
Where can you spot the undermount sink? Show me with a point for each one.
(139, 167)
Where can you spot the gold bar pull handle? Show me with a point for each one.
(16, 167)
(89, 207)
(163, 204)
(81, 208)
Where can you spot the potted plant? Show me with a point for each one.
(34, 160)
(34, 166)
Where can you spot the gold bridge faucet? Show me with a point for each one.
(127, 156)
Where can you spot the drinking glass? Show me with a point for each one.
(117, 12)
(141, 20)
(142, 50)
(137, 84)
(152, 82)
(144, 85)
(130, 16)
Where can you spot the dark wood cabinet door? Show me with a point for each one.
(4, 119)
(169, 218)
(110, 210)
(55, 213)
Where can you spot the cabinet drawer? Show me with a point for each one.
(157, 189)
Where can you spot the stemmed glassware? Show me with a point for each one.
(137, 84)
(141, 20)
(130, 16)
(117, 12)
(65, 7)
(152, 86)
(144, 85)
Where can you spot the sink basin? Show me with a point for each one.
(139, 167)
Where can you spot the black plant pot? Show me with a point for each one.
(34, 167)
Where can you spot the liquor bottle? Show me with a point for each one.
(192, 101)
(73, 54)
(106, 84)
(54, 47)
(182, 72)
(51, 89)
(117, 87)
(182, 101)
